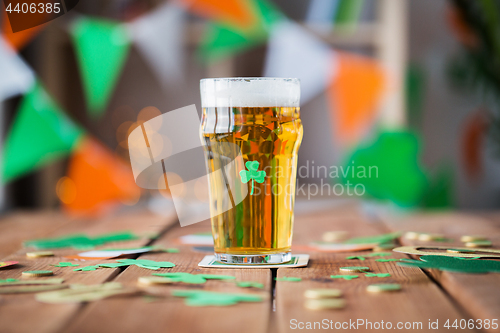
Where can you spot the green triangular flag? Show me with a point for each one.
(101, 49)
(40, 133)
(348, 13)
(220, 41)
(389, 168)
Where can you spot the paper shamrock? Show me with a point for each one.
(345, 277)
(81, 240)
(453, 264)
(252, 174)
(288, 278)
(377, 275)
(193, 278)
(148, 264)
(207, 298)
(250, 284)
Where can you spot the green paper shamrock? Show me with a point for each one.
(66, 264)
(250, 284)
(148, 264)
(193, 278)
(8, 280)
(290, 279)
(208, 298)
(453, 264)
(379, 254)
(345, 277)
(355, 257)
(387, 260)
(252, 174)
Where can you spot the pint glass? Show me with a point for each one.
(260, 119)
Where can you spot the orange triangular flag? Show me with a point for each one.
(96, 180)
(19, 39)
(356, 89)
(474, 134)
(239, 13)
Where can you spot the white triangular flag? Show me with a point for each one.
(321, 14)
(159, 38)
(294, 52)
(16, 77)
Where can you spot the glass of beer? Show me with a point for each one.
(260, 119)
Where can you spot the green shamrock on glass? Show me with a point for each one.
(252, 174)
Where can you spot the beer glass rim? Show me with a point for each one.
(256, 78)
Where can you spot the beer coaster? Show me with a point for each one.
(298, 260)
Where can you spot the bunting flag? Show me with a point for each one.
(21, 38)
(96, 180)
(348, 13)
(237, 13)
(474, 135)
(159, 38)
(16, 76)
(40, 134)
(294, 52)
(388, 168)
(321, 14)
(101, 50)
(354, 95)
(220, 40)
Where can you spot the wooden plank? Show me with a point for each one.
(170, 314)
(419, 301)
(51, 318)
(478, 294)
(19, 226)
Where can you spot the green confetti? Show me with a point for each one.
(193, 278)
(381, 275)
(148, 264)
(171, 250)
(345, 277)
(250, 284)
(8, 281)
(454, 264)
(387, 260)
(210, 298)
(355, 257)
(66, 264)
(373, 239)
(81, 240)
(287, 278)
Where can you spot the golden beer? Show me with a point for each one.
(259, 228)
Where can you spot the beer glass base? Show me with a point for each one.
(253, 259)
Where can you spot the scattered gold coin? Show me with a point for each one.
(412, 235)
(355, 269)
(37, 273)
(335, 236)
(322, 293)
(323, 304)
(151, 280)
(472, 238)
(383, 287)
(430, 237)
(478, 244)
(39, 254)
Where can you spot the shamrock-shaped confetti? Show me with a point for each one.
(252, 174)
(148, 264)
(377, 275)
(66, 264)
(250, 284)
(286, 278)
(387, 260)
(210, 298)
(345, 277)
(193, 278)
(355, 257)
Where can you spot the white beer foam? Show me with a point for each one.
(250, 92)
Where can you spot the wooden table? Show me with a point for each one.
(426, 296)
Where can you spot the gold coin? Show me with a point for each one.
(472, 238)
(37, 273)
(322, 293)
(39, 254)
(459, 251)
(430, 237)
(478, 244)
(383, 287)
(355, 269)
(412, 235)
(323, 304)
(151, 280)
(335, 236)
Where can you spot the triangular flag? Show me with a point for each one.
(96, 180)
(321, 13)
(348, 13)
(220, 40)
(473, 137)
(236, 13)
(356, 90)
(40, 133)
(17, 77)
(294, 52)
(159, 38)
(21, 38)
(101, 49)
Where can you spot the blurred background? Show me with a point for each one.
(409, 86)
